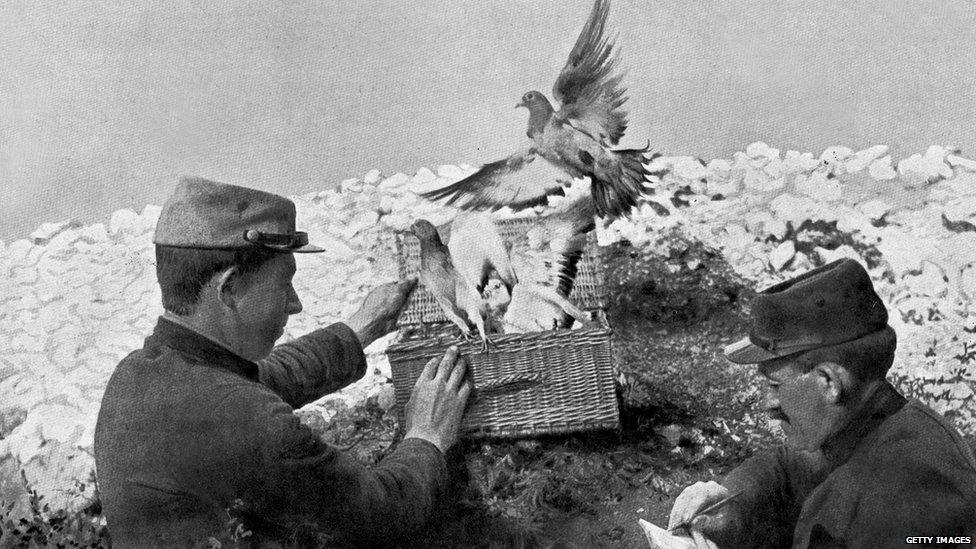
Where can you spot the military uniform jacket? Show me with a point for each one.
(187, 427)
(900, 470)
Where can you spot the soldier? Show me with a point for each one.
(201, 419)
(861, 467)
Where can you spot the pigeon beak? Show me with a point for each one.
(521, 104)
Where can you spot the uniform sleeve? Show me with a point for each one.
(773, 485)
(301, 478)
(316, 364)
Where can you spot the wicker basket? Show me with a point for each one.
(528, 384)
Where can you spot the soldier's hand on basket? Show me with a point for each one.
(437, 403)
(378, 314)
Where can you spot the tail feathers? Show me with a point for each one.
(617, 193)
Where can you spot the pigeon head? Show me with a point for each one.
(540, 110)
(534, 101)
(425, 231)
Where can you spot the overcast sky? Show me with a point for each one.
(103, 105)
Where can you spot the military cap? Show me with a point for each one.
(215, 216)
(832, 304)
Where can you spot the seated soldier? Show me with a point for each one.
(200, 419)
(861, 467)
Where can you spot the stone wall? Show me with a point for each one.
(74, 300)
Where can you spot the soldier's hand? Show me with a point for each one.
(378, 314)
(692, 500)
(437, 403)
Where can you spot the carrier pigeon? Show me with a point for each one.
(460, 301)
(477, 250)
(576, 139)
(547, 271)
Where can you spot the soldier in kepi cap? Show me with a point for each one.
(861, 467)
(200, 419)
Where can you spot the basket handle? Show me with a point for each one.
(510, 384)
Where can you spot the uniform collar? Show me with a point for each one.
(200, 348)
(884, 402)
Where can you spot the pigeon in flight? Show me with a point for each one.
(576, 139)
(460, 301)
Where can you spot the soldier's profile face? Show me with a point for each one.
(796, 399)
(265, 300)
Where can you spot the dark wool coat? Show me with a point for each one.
(902, 470)
(186, 428)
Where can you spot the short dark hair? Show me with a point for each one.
(183, 272)
(868, 358)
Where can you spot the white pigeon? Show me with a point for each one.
(477, 250)
(547, 271)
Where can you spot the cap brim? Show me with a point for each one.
(306, 249)
(745, 351)
(309, 249)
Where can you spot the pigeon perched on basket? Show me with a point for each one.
(576, 139)
(460, 301)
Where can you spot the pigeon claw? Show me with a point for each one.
(487, 343)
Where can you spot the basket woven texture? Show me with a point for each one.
(528, 384)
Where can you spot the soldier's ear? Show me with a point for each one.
(227, 285)
(834, 381)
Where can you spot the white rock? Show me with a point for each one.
(903, 251)
(774, 168)
(351, 185)
(852, 221)
(396, 181)
(125, 221)
(962, 208)
(881, 169)
(17, 251)
(967, 282)
(875, 209)
(795, 162)
(795, 209)
(47, 231)
(801, 263)
(451, 173)
(761, 150)
(931, 282)
(690, 168)
(959, 162)
(372, 177)
(359, 222)
(781, 255)
(927, 168)
(727, 188)
(422, 176)
(834, 158)
(93, 234)
(760, 181)
(149, 216)
(719, 167)
(862, 159)
(840, 252)
(836, 154)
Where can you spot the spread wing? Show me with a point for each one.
(520, 181)
(590, 92)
